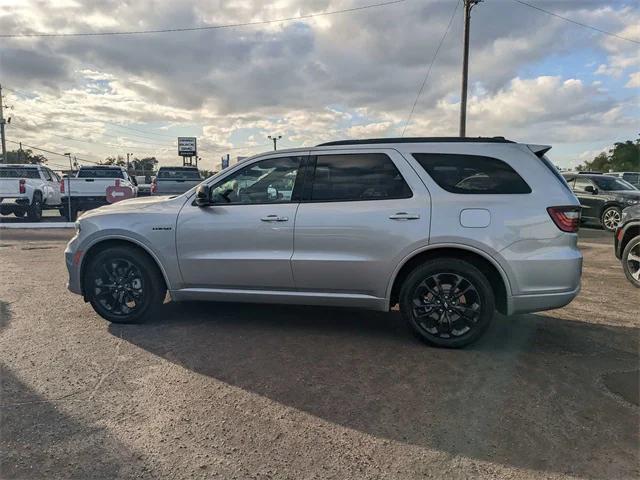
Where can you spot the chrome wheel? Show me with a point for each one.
(611, 218)
(446, 305)
(633, 262)
(118, 286)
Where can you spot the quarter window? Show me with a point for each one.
(370, 176)
(266, 181)
(472, 174)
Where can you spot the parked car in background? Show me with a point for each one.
(94, 187)
(451, 229)
(632, 177)
(602, 197)
(27, 189)
(627, 243)
(144, 185)
(175, 180)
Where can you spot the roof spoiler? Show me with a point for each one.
(539, 150)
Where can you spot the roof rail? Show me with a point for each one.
(418, 140)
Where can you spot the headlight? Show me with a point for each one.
(632, 202)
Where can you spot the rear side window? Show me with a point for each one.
(100, 173)
(472, 174)
(354, 177)
(18, 172)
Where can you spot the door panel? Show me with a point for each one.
(232, 247)
(245, 239)
(353, 246)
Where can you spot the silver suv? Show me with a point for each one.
(449, 229)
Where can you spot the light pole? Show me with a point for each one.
(275, 140)
(468, 5)
(128, 166)
(69, 216)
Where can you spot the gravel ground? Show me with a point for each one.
(251, 391)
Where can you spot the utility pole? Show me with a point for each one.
(128, 166)
(70, 215)
(468, 5)
(2, 122)
(275, 140)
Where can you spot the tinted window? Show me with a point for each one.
(581, 183)
(267, 181)
(18, 172)
(179, 174)
(612, 183)
(632, 178)
(370, 176)
(100, 173)
(471, 174)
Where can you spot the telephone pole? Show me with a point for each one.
(468, 5)
(275, 140)
(2, 122)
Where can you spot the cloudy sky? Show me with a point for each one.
(533, 77)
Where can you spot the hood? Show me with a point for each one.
(131, 205)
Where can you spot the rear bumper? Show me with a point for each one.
(10, 202)
(537, 303)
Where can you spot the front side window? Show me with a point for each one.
(46, 175)
(266, 181)
(354, 177)
(472, 174)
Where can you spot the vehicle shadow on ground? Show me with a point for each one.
(37, 440)
(527, 395)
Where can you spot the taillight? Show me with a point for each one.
(566, 218)
(154, 187)
(62, 186)
(23, 187)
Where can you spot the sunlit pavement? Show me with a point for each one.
(256, 391)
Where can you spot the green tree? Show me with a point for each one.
(206, 173)
(623, 157)
(24, 156)
(118, 161)
(145, 165)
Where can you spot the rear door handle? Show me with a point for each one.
(404, 216)
(274, 218)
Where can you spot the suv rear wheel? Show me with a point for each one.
(631, 261)
(123, 285)
(611, 218)
(447, 302)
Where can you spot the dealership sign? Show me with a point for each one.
(187, 146)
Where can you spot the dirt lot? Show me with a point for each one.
(250, 391)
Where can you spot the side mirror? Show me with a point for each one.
(592, 190)
(203, 196)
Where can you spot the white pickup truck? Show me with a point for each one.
(94, 187)
(27, 189)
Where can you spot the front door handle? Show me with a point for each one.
(404, 216)
(274, 218)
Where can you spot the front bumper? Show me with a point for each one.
(73, 260)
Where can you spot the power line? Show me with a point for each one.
(210, 27)
(578, 23)
(435, 55)
(52, 153)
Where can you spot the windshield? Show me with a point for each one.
(179, 174)
(100, 173)
(18, 172)
(612, 183)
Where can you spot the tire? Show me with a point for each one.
(631, 261)
(130, 297)
(71, 217)
(19, 213)
(34, 212)
(611, 218)
(458, 319)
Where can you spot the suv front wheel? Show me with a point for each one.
(123, 285)
(447, 302)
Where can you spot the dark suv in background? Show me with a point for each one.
(627, 244)
(602, 197)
